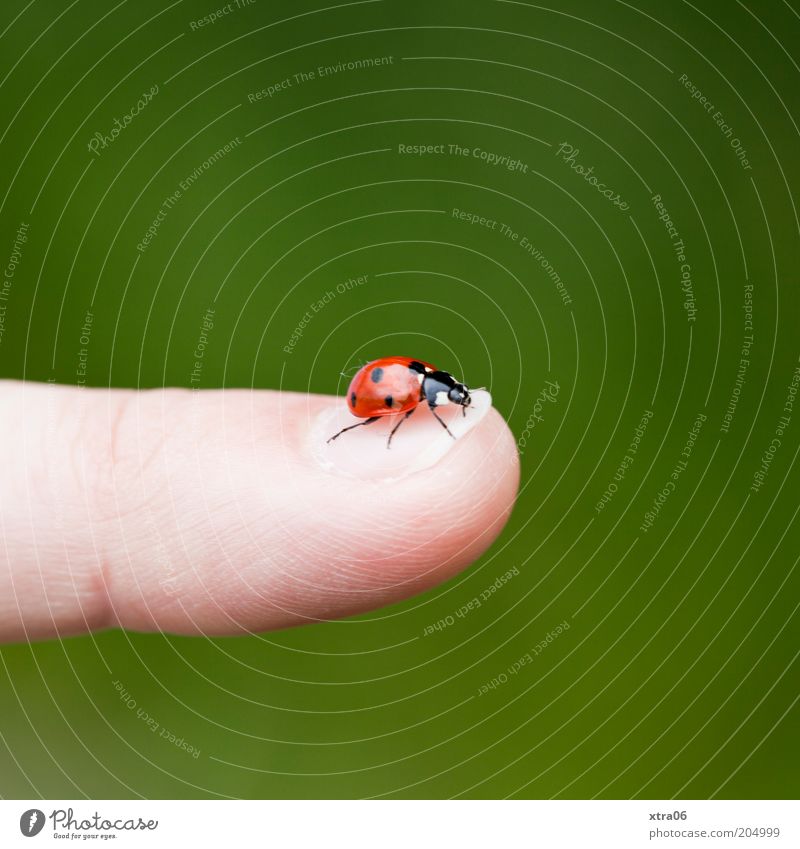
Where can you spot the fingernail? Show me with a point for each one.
(419, 443)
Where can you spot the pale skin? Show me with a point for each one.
(210, 513)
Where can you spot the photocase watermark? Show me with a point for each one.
(548, 395)
(475, 219)
(153, 724)
(678, 469)
(100, 141)
(626, 462)
(318, 73)
(66, 825)
(183, 186)
(199, 353)
(569, 155)
(157, 554)
(525, 243)
(319, 305)
(474, 603)
(744, 360)
(784, 420)
(679, 249)
(719, 119)
(222, 12)
(31, 822)
(9, 272)
(525, 659)
(83, 351)
(489, 157)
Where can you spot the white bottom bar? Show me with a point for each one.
(401, 824)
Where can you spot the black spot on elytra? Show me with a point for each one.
(352, 399)
(377, 375)
(388, 400)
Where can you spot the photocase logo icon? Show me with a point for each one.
(31, 822)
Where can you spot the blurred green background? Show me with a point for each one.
(678, 673)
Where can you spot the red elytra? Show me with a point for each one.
(393, 385)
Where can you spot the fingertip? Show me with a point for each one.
(421, 514)
(392, 447)
(470, 492)
(277, 537)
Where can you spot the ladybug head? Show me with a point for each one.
(459, 394)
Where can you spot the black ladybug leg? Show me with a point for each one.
(441, 421)
(389, 440)
(344, 429)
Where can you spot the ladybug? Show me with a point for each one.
(395, 385)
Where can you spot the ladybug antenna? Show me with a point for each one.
(476, 389)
